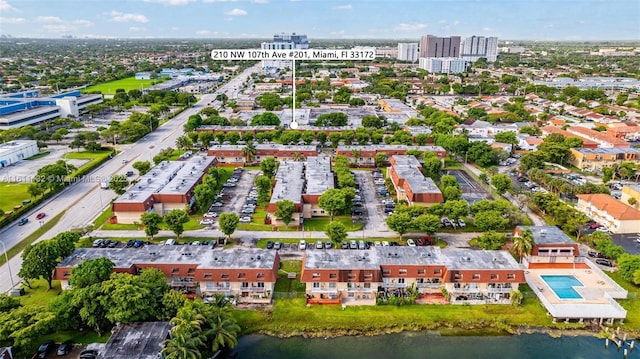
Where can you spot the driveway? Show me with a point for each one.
(235, 197)
(628, 242)
(373, 207)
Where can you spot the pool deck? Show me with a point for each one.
(598, 292)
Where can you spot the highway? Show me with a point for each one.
(85, 200)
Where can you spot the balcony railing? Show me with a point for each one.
(428, 285)
(324, 290)
(393, 285)
(359, 289)
(500, 290)
(252, 289)
(466, 290)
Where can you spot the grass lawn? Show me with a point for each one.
(32, 237)
(102, 218)
(93, 157)
(319, 224)
(292, 265)
(129, 83)
(13, 194)
(451, 164)
(39, 155)
(189, 226)
(40, 294)
(293, 317)
(632, 305)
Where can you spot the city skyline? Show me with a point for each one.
(594, 20)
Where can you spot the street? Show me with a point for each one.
(84, 201)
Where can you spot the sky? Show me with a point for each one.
(565, 20)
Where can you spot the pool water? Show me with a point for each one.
(562, 285)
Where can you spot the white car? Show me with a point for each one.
(245, 219)
(411, 243)
(385, 243)
(377, 244)
(206, 222)
(602, 229)
(302, 245)
(211, 215)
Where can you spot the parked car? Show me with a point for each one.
(411, 243)
(138, 244)
(129, 173)
(377, 244)
(328, 244)
(130, 243)
(385, 243)
(345, 245)
(353, 244)
(277, 245)
(302, 245)
(319, 245)
(604, 262)
(206, 222)
(40, 215)
(23, 221)
(45, 348)
(65, 348)
(269, 245)
(361, 244)
(596, 254)
(89, 354)
(245, 219)
(602, 229)
(97, 243)
(461, 223)
(211, 214)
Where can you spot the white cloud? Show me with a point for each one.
(260, 1)
(410, 27)
(6, 7)
(343, 7)
(137, 29)
(118, 16)
(339, 32)
(12, 20)
(49, 19)
(59, 28)
(212, 1)
(171, 2)
(85, 23)
(203, 32)
(236, 12)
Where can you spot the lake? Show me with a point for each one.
(426, 345)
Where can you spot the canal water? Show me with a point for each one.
(422, 345)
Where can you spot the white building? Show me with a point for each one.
(284, 42)
(447, 65)
(476, 47)
(408, 51)
(16, 151)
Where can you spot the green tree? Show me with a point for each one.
(223, 330)
(629, 264)
(449, 181)
(8, 303)
(524, 243)
(127, 299)
(249, 152)
(502, 183)
(52, 176)
(399, 223)
(23, 329)
(39, 260)
(90, 272)
(506, 137)
(427, 223)
(228, 223)
(151, 222)
(607, 174)
(265, 119)
(491, 240)
(142, 167)
(455, 209)
(371, 121)
(451, 193)
(172, 301)
(490, 220)
(332, 201)
(269, 167)
(263, 184)
(205, 195)
(336, 232)
(284, 211)
(175, 220)
(118, 184)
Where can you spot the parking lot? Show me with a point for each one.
(472, 191)
(234, 194)
(627, 241)
(371, 202)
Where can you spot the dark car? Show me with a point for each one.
(269, 245)
(129, 173)
(45, 348)
(604, 262)
(345, 245)
(23, 221)
(65, 348)
(138, 244)
(130, 243)
(89, 354)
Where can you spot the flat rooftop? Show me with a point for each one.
(342, 259)
(602, 151)
(201, 256)
(318, 175)
(289, 182)
(384, 147)
(137, 340)
(468, 259)
(152, 182)
(548, 235)
(408, 168)
(187, 176)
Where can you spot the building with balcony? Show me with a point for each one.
(249, 275)
(586, 143)
(615, 215)
(594, 159)
(551, 246)
(366, 155)
(476, 47)
(434, 46)
(410, 184)
(233, 155)
(408, 51)
(624, 132)
(169, 185)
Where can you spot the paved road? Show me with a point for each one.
(375, 212)
(85, 200)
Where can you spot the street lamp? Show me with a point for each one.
(6, 257)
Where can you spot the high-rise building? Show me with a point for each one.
(475, 47)
(408, 51)
(433, 46)
(284, 41)
(445, 65)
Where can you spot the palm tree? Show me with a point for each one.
(224, 329)
(297, 156)
(523, 244)
(183, 345)
(249, 152)
(357, 154)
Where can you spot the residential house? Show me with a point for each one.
(615, 215)
(410, 184)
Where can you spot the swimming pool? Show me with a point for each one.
(562, 285)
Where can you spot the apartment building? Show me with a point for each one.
(233, 155)
(629, 192)
(615, 215)
(624, 132)
(357, 277)
(551, 246)
(434, 46)
(284, 41)
(169, 185)
(410, 184)
(586, 143)
(595, 159)
(408, 51)
(366, 155)
(247, 274)
(444, 65)
(604, 140)
(479, 128)
(476, 47)
(302, 183)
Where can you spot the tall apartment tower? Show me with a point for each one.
(284, 41)
(408, 51)
(475, 47)
(433, 46)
